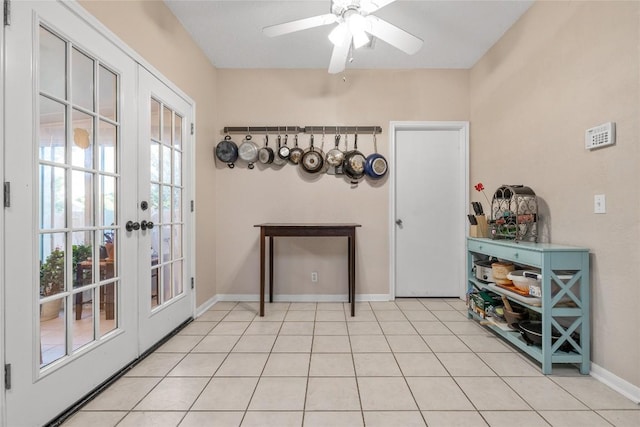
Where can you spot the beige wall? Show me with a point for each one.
(563, 68)
(153, 31)
(314, 97)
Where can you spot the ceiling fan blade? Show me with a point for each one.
(340, 54)
(370, 6)
(393, 35)
(300, 24)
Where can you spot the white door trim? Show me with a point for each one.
(394, 126)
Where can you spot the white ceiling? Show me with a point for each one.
(456, 33)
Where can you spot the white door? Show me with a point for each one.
(70, 271)
(166, 296)
(430, 195)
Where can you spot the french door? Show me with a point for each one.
(165, 128)
(77, 271)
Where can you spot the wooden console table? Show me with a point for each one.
(307, 230)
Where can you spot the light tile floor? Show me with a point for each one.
(412, 362)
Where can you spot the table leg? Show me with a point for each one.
(352, 272)
(349, 268)
(270, 268)
(262, 271)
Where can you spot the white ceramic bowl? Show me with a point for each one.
(519, 281)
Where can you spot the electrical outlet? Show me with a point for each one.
(599, 204)
(314, 276)
(600, 136)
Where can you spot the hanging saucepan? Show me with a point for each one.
(227, 151)
(248, 151)
(277, 160)
(284, 152)
(354, 160)
(265, 154)
(295, 154)
(312, 160)
(335, 157)
(375, 166)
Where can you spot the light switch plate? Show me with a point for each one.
(599, 204)
(600, 136)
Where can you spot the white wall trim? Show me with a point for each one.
(304, 297)
(394, 126)
(618, 384)
(201, 309)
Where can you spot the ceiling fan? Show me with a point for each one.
(356, 23)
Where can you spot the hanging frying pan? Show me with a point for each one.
(277, 160)
(375, 165)
(284, 152)
(354, 161)
(248, 151)
(312, 160)
(227, 151)
(265, 154)
(295, 154)
(335, 157)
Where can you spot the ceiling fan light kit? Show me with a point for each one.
(357, 27)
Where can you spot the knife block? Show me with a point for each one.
(480, 230)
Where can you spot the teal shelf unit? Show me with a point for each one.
(566, 308)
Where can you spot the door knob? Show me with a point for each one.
(131, 226)
(399, 222)
(146, 224)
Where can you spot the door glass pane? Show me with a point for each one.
(81, 263)
(166, 125)
(52, 130)
(154, 203)
(82, 147)
(107, 145)
(177, 133)
(166, 164)
(82, 80)
(154, 150)
(107, 199)
(155, 244)
(166, 204)
(53, 196)
(177, 204)
(177, 278)
(82, 198)
(108, 307)
(53, 337)
(166, 243)
(52, 67)
(166, 200)
(155, 120)
(109, 263)
(107, 93)
(52, 264)
(166, 283)
(177, 241)
(177, 168)
(82, 332)
(155, 297)
(77, 248)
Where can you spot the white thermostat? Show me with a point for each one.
(600, 136)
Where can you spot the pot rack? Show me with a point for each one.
(303, 129)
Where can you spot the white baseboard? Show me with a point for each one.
(206, 306)
(304, 297)
(618, 384)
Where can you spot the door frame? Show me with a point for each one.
(463, 131)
